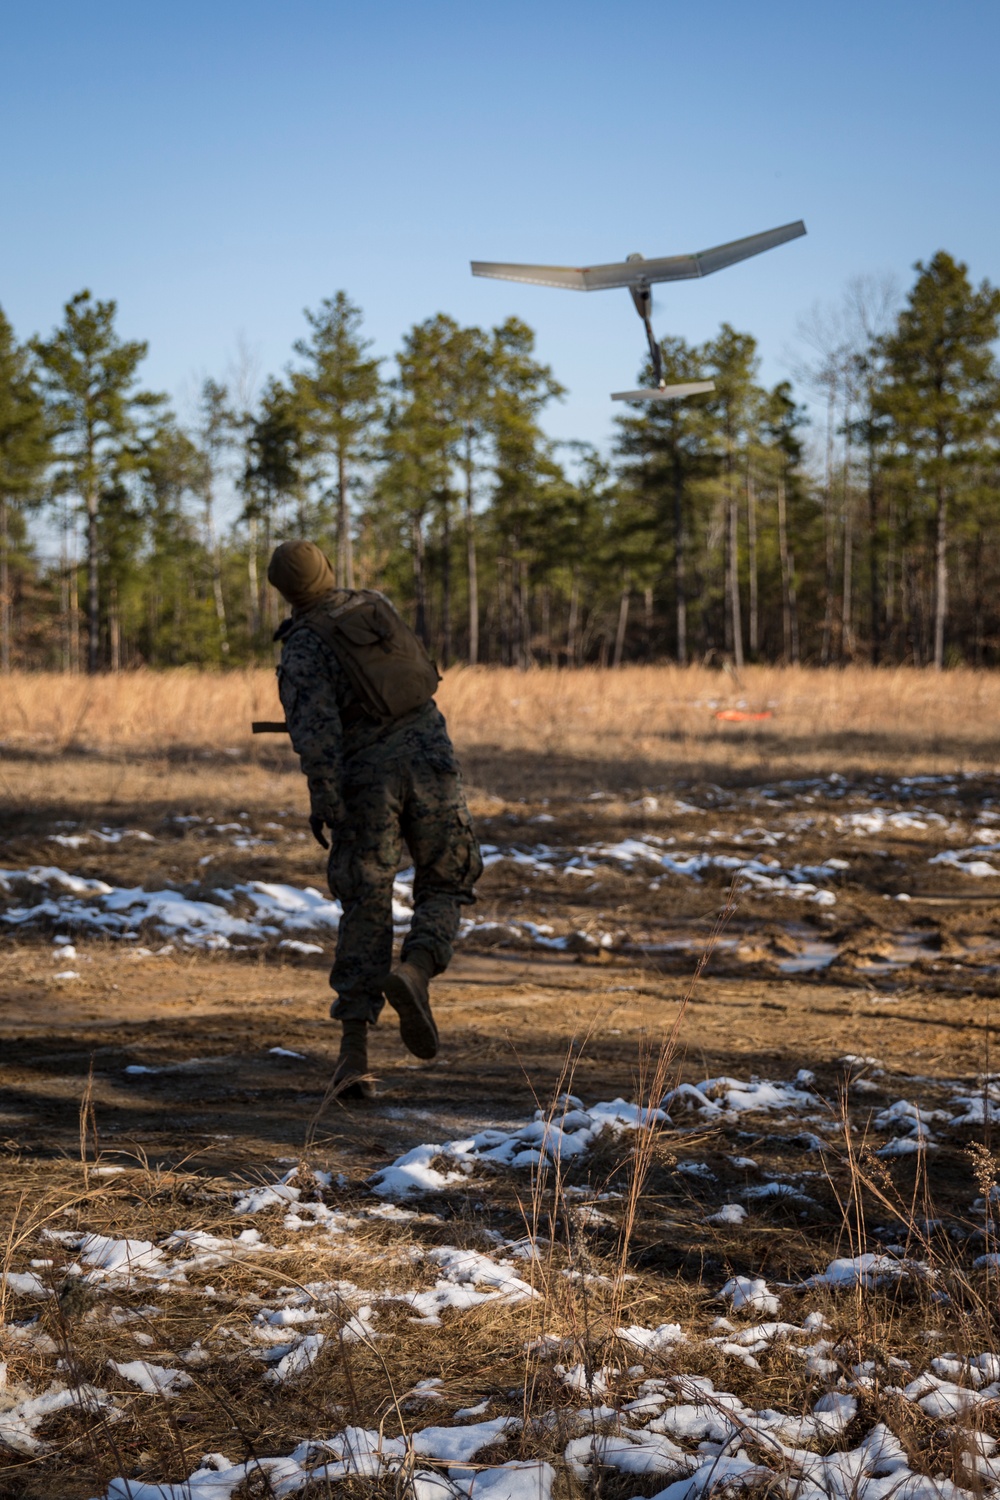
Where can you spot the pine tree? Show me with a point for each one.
(661, 445)
(525, 473)
(340, 394)
(734, 407)
(422, 431)
(216, 426)
(89, 376)
(273, 473)
(782, 420)
(472, 378)
(941, 395)
(24, 454)
(174, 621)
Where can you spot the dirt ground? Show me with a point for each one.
(788, 984)
(608, 882)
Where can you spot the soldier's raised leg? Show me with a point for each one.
(447, 863)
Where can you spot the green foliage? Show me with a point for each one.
(338, 398)
(25, 439)
(703, 533)
(96, 416)
(24, 456)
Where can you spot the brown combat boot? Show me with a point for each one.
(407, 991)
(352, 1080)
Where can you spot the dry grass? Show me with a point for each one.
(490, 1351)
(579, 712)
(534, 735)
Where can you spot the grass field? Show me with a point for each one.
(661, 713)
(784, 932)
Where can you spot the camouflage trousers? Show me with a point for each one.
(404, 789)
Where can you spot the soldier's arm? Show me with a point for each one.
(308, 695)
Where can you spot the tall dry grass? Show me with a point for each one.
(660, 713)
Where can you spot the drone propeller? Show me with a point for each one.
(665, 392)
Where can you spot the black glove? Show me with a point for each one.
(316, 825)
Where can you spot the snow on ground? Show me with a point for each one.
(653, 853)
(300, 918)
(271, 909)
(693, 1437)
(256, 911)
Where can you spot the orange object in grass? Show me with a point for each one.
(742, 715)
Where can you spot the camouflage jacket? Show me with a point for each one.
(325, 721)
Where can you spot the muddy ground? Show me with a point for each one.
(890, 953)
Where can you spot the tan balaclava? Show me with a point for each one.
(301, 572)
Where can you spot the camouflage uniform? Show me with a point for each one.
(378, 786)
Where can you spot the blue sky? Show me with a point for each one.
(217, 167)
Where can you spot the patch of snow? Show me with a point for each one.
(653, 1340)
(18, 1421)
(868, 1270)
(155, 1380)
(299, 1358)
(749, 1292)
(729, 1213)
(110, 1257)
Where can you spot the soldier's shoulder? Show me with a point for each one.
(302, 646)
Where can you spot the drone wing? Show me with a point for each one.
(641, 272)
(567, 276)
(681, 267)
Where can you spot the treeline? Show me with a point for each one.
(724, 527)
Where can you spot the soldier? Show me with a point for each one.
(357, 689)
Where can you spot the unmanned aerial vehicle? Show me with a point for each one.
(638, 275)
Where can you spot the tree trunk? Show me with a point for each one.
(622, 623)
(890, 574)
(253, 583)
(470, 560)
(873, 599)
(419, 578)
(114, 629)
(977, 601)
(752, 560)
(572, 648)
(93, 598)
(67, 653)
(824, 654)
(547, 623)
(446, 585)
(75, 615)
(789, 610)
(940, 575)
(215, 563)
(733, 568)
(345, 550)
(5, 609)
(680, 580)
(647, 603)
(847, 633)
(270, 594)
(524, 615)
(847, 642)
(503, 612)
(220, 602)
